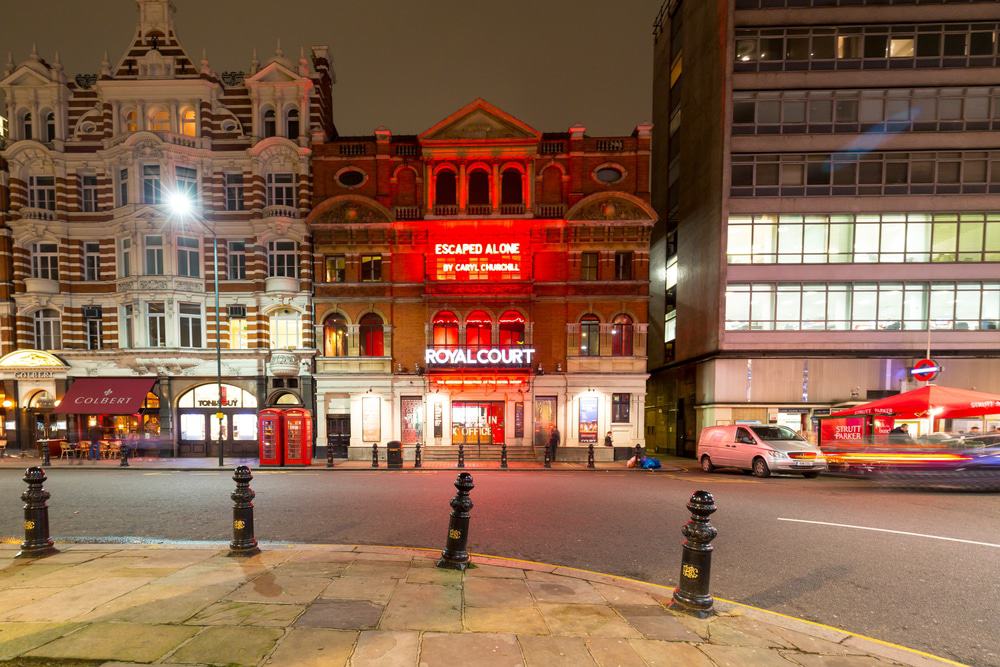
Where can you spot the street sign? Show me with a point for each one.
(925, 370)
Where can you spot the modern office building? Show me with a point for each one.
(826, 174)
(109, 291)
(481, 283)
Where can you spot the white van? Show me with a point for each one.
(761, 448)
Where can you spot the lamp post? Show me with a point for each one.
(182, 206)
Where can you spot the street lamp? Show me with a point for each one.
(181, 205)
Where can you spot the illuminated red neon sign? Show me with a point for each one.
(479, 259)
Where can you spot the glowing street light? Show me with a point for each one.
(181, 205)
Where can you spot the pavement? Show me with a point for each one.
(302, 605)
(669, 463)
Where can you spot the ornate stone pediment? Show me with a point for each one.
(348, 211)
(610, 207)
(478, 121)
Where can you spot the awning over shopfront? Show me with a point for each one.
(930, 401)
(105, 396)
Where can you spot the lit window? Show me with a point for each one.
(445, 328)
(511, 329)
(158, 120)
(285, 329)
(189, 122)
(590, 336)
(622, 339)
(588, 265)
(238, 339)
(130, 120)
(371, 268)
(478, 330)
(335, 336)
(336, 269)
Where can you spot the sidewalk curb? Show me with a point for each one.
(381, 468)
(663, 593)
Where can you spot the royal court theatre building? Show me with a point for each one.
(481, 283)
(827, 174)
(109, 330)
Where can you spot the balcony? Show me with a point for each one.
(550, 210)
(41, 286)
(480, 209)
(154, 283)
(407, 212)
(281, 284)
(511, 209)
(29, 213)
(445, 209)
(281, 212)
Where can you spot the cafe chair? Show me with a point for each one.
(66, 450)
(114, 450)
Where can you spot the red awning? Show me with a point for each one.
(930, 401)
(105, 396)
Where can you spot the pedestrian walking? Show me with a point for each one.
(553, 442)
(900, 434)
(608, 442)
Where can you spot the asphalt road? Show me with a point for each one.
(932, 594)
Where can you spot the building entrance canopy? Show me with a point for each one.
(105, 396)
(930, 401)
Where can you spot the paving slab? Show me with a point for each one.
(655, 622)
(520, 620)
(745, 656)
(585, 620)
(656, 653)
(619, 595)
(481, 650)
(116, 641)
(76, 600)
(360, 588)
(492, 592)
(18, 638)
(248, 613)
(341, 615)
(314, 647)
(555, 652)
(386, 648)
(614, 652)
(547, 587)
(423, 607)
(275, 588)
(225, 645)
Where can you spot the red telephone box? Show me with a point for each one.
(270, 429)
(297, 438)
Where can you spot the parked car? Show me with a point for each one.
(760, 448)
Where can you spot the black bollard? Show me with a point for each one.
(46, 461)
(329, 456)
(638, 455)
(590, 455)
(244, 543)
(456, 555)
(416, 457)
(461, 455)
(37, 542)
(548, 456)
(374, 454)
(692, 594)
(123, 463)
(503, 455)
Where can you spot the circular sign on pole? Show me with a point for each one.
(925, 370)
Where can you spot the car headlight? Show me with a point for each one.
(775, 454)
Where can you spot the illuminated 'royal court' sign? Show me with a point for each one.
(484, 357)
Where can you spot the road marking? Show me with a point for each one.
(895, 532)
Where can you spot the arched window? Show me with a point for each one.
(510, 187)
(551, 186)
(130, 121)
(372, 337)
(406, 187)
(158, 120)
(26, 128)
(292, 124)
(445, 329)
(511, 329)
(48, 329)
(590, 336)
(479, 188)
(335, 336)
(286, 332)
(270, 123)
(478, 329)
(444, 189)
(189, 122)
(50, 126)
(621, 336)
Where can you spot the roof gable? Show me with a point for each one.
(480, 121)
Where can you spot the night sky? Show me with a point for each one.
(404, 64)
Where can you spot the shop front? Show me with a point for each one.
(31, 382)
(198, 415)
(104, 414)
